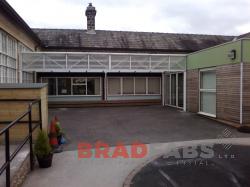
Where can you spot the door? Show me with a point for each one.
(208, 92)
(176, 89)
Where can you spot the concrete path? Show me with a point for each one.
(68, 170)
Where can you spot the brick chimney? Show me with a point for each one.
(90, 13)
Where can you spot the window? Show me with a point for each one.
(8, 54)
(64, 86)
(140, 85)
(9, 47)
(154, 85)
(27, 77)
(79, 86)
(208, 92)
(79, 89)
(128, 85)
(93, 86)
(51, 85)
(114, 86)
(134, 86)
(81, 81)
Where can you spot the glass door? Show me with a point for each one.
(208, 92)
(176, 89)
(173, 89)
(180, 90)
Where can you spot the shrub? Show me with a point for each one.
(42, 147)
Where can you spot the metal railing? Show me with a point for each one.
(6, 131)
(99, 62)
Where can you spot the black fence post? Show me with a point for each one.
(31, 140)
(6, 132)
(7, 157)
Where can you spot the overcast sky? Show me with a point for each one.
(231, 17)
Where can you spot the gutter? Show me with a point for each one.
(241, 83)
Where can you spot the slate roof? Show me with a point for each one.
(246, 35)
(123, 40)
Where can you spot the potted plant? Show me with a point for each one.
(43, 150)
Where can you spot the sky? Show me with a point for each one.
(226, 17)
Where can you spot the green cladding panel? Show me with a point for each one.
(246, 50)
(214, 56)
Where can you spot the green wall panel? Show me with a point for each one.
(246, 50)
(214, 56)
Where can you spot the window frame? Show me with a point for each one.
(134, 92)
(71, 79)
(8, 58)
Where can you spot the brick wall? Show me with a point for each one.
(193, 90)
(246, 93)
(228, 92)
(11, 111)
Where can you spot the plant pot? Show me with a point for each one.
(46, 161)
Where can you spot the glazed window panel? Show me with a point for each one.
(28, 77)
(208, 102)
(79, 90)
(51, 85)
(81, 80)
(75, 86)
(8, 55)
(208, 80)
(208, 92)
(93, 86)
(154, 85)
(128, 85)
(114, 86)
(4, 43)
(140, 85)
(64, 86)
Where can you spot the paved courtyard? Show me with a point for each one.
(147, 124)
(152, 125)
(68, 170)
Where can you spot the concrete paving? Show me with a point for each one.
(225, 167)
(147, 124)
(154, 125)
(68, 170)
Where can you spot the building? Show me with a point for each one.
(90, 66)
(15, 37)
(218, 81)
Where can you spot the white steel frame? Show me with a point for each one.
(101, 62)
(206, 90)
(177, 90)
